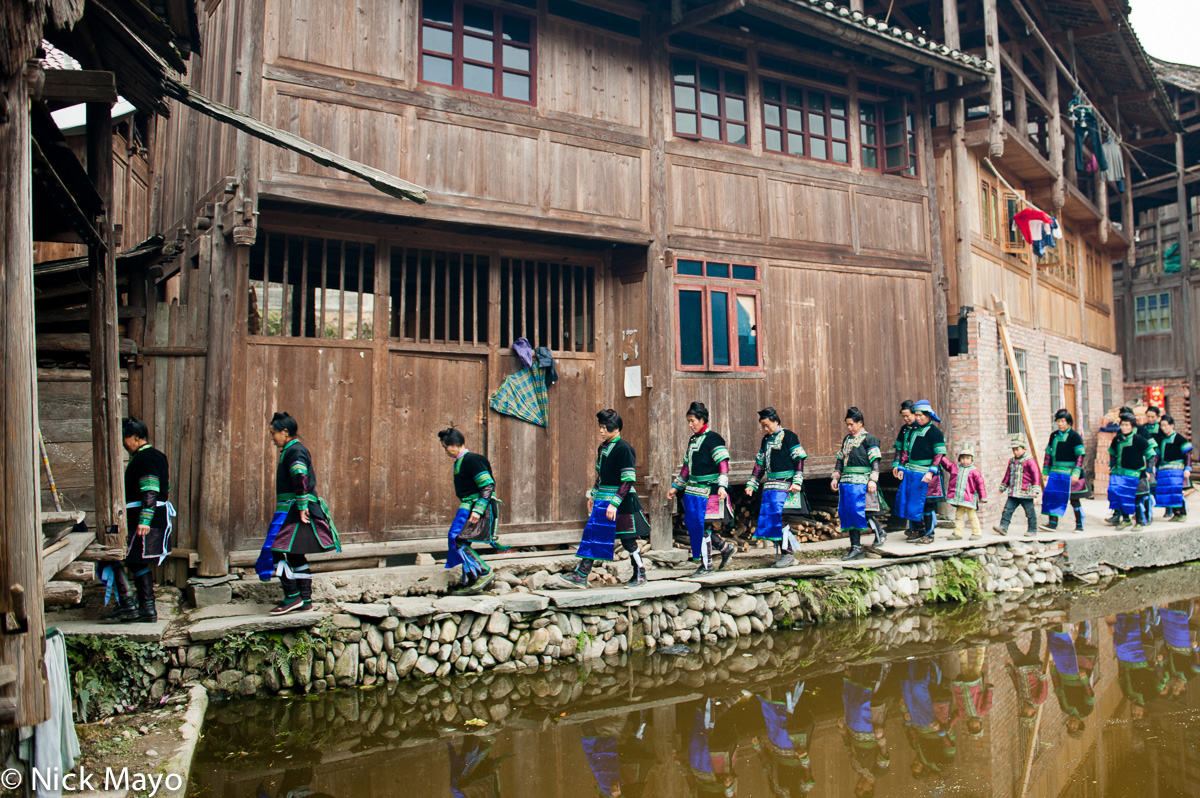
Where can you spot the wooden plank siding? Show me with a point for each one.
(560, 221)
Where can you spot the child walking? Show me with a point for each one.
(967, 492)
(1023, 482)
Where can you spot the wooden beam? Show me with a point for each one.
(73, 86)
(991, 26)
(706, 13)
(62, 593)
(1021, 78)
(975, 88)
(1155, 141)
(82, 314)
(962, 269)
(27, 702)
(1058, 194)
(1185, 262)
(1010, 356)
(393, 186)
(109, 487)
(76, 543)
(78, 342)
(212, 542)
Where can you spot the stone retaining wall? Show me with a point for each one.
(405, 638)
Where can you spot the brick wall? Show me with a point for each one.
(1179, 403)
(979, 408)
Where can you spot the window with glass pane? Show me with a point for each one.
(1015, 425)
(1084, 405)
(709, 102)
(895, 137)
(1152, 314)
(1106, 389)
(1055, 385)
(868, 128)
(691, 327)
(718, 316)
(805, 122)
(478, 49)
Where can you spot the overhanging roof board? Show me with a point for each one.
(1184, 76)
(392, 186)
(1117, 60)
(863, 30)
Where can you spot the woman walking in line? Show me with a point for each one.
(475, 521)
(779, 468)
(302, 524)
(705, 464)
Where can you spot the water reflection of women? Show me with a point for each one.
(1027, 669)
(862, 724)
(1178, 625)
(474, 772)
(926, 724)
(972, 692)
(619, 754)
(1072, 668)
(789, 730)
(1138, 674)
(712, 748)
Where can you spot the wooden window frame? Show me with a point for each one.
(722, 96)
(1056, 384)
(732, 288)
(1141, 313)
(499, 43)
(1010, 400)
(989, 211)
(805, 111)
(1085, 406)
(1011, 239)
(909, 146)
(1106, 389)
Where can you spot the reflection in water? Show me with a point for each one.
(820, 712)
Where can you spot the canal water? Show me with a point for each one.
(1084, 692)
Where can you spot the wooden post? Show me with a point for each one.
(212, 543)
(659, 305)
(107, 457)
(961, 165)
(1058, 195)
(21, 537)
(1184, 327)
(1020, 102)
(940, 332)
(991, 27)
(1010, 356)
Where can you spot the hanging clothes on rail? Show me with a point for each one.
(1115, 173)
(1087, 133)
(1039, 229)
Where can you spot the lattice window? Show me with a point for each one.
(308, 287)
(548, 304)
(1015, 425)
(438, 297)
(1085, 406)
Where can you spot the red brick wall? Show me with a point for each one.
(1179, 403)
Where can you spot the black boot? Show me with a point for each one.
(291, 597)
(639, 574)
(125, 611)
(305, 586)
(147, 612)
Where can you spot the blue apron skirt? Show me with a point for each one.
(1122, 493)
(1057, 494)
(852, 504)
(602, 758)
(265, 565)
(599, 536)
(694, 508)
(453, 557)
(910, 496)
(1169, 492)
(770, 515)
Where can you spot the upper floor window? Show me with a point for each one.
(888, 129)
(718, 311)
(989, 211)
(1152, 313)
(710, 102)
(479, 49)
(809, 123)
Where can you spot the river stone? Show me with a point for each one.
(196, 655)
(227, 681)
(695, 601)
(556, 635)
(216, 628)
(522, 645)
(389, 623)
(743, 625)
(537, 642)
(406, 662)
(364, 650)
(413, 632)
(740, 605)
(501, 648)
(389, 641)
(374, 639)
(426, 665)
(497, 623)
(729, 624)
(479, 646)
(271, 679)
(756, 624)
(302, 668)
(344, 621)
(478, 625)
(449, 631)
(346, 666)
(368, 665)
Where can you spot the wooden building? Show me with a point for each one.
(725, 202)
(1157, 286)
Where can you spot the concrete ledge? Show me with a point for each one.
(748, 576)
(193, 719)
(568, 597)
(214, 628)
(1163, 543)
(137, 632)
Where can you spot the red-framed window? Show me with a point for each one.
(718, 306)
(710, 102)
(479, 49)
(805, 122)
(887, 130)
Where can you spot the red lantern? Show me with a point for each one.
(1156, 395)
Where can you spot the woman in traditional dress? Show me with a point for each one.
(475, 521)
(614, 509)
(302, 524)
(1063, 470)
(705, 464)
(149, 517)
(779, 468)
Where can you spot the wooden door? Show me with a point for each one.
(1069, 398)
(427, 393)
